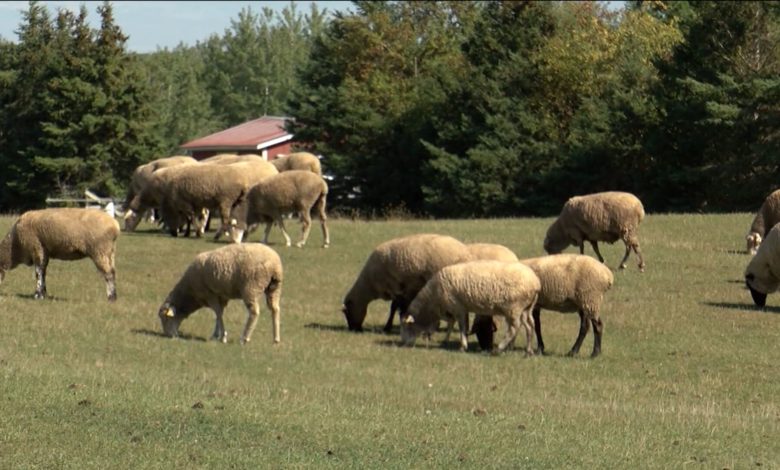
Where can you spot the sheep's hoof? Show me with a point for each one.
(299, 245)
(39, 295)
(112, 298)
(623, 266)
(277, 341)
(529, 353)
(244, 341)
(326, 245)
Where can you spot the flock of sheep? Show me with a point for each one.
(426, 277)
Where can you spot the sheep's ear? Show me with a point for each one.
(168, 312)
(409, 320)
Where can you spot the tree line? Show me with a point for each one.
(446, 108)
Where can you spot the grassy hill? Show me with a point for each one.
(688, 375)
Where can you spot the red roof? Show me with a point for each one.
(256, 134)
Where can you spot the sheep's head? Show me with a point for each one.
(353, 316)
(759, 278)
(555, 241)
(170, 320)
(753, 240)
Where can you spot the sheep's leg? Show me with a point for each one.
(305, 227)
(219, 326)
(105, 265)
(224, 218)
(582, 247)
(537, 313)
(513, 324)
(272, 296)
(40, 278)
(595, 246)
(252, 312)
(397, 304)
(527, 321)
(323, 221)
(635, 246)
(267, 231)
(598, 329)
(463, 324)
(287, 240)
(584, 327)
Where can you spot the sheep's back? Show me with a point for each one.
(206, 185)
(234, 270)
(569, 280)
(604, 216)
(282, 192)
(485, 286)
(66, 233)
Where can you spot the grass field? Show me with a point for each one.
(688, 376)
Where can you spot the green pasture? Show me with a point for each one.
(688, 376)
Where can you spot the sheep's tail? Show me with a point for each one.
(273, 284)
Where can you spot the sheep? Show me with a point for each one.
(487, 288)
(230, 158)
(766, 218)
(607, 217)
(762, 275)
(271, 198)
(189, 189)
(244, 272)
(397, 269)
(152, 195)
(477, 251)
(569, 283)
(63, 233)
(298, 161)
(141, 179)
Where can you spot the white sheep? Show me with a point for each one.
(273, 197)
(65, 233)
(140, 180)
(187, 189)
(245, 272)
(298, 161)
(487, 288)
(766, 218)
(762, 275)
(607, 217)
(397, 269)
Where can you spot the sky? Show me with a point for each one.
(153, 25)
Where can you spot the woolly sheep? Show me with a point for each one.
(230, 158)
(298, 161)
(606, 217)
(270, 199)
(766, 218)
(477, 251)
(191, 188)
(141, 178)
(64, 233)
(487, 288)
(397, 269)
(762, 275)
(244, 272)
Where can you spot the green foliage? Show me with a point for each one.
(75, 110)
(252, 69)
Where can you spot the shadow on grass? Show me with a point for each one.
(344, 329)
(49, 297)
(746, 307)
(735, 252)
(453, 346)
(157, 334)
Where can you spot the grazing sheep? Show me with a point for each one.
(298, 161)
(142, 177)
(230, 158)
(66, 234)
(244, 272)
(487, 288)
(191, 188)
(766, 218)
(606, 217)
(397, 269)
(762, 274)
(268, 200)
(477, 251)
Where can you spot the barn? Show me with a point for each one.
(265, 136)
